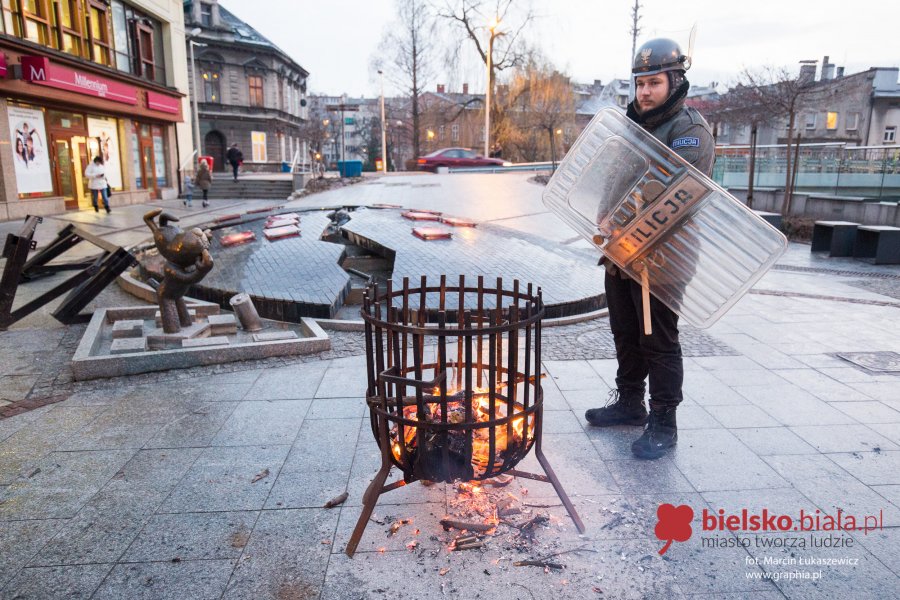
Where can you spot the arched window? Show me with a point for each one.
(211, 88)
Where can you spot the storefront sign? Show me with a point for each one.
(29, 142)
(163, 103)
(104, 142)
(39, 70)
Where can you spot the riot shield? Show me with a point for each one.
(658, 218)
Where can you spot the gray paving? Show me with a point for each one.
(126, 489)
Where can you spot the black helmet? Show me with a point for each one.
(657, 56)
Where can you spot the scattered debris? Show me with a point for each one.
(411, 545)
(337, 500)
(448, 524)
(261, 475)
(34, 472)
(396, 525)
(444, 571)
(506, 507)
(538, 563)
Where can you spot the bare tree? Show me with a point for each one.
(539, 105)
(767, 95)
(406, 57)
(473, 19)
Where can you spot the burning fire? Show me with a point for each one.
(481, 413)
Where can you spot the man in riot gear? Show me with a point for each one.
(660, 91)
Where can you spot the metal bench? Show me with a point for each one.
(879, 244)
(835, 237)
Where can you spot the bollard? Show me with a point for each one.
(246, 313)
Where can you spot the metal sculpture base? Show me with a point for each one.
(378, 487)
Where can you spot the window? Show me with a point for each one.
(852, 122)
(810, 120)
(890, 134)
(70, 25)
(258, 146)
(211, 91)
(144, 64)
(441, 133)
(206, 14)
(831, 121)
(120, 37)
(481, 138)
(454, 133)
(256, 90)
(723, 129)
(99, 37)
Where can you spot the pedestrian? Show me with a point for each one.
(661, 88)
(203, 180)
(235, 158)
(188, 190)
(96, 175)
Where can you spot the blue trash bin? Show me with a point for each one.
(285, 167)
(350, 168)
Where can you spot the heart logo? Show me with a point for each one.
(674, 524)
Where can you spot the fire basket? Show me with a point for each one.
(454, 385)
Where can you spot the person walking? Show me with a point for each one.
(96, 176)
(235, 158)
(203, 180)
(661, 88)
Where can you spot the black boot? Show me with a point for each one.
(660, 434)
(621, 409)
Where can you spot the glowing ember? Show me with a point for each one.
(431, 233)
(457, 440)
(418, 215)
(233, 239)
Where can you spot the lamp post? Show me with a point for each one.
(384, 158)
(191, 43)
(487, 95)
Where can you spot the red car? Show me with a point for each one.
(456, 157)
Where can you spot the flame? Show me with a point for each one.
(481, 413)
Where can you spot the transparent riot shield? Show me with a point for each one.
(648, 210)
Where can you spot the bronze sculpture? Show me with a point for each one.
(187, 262)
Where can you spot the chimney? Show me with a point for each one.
(840, 72)
(827, 70)
(440, 88)
(465, 88)
(807, 71)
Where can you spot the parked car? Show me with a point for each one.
(456, 157)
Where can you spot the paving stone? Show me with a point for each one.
(872, 468)
(192, 536)
(741, 416)
(219, 340)
(128, 328)
(289, 383)
(262, 422)
(274, 336)
(285, 557)
(337, 408)
(868, 412)
(640, 476)
(341, 382)
(221, 479)
(20, 540)
(127, 345)
(790, 405)
(64, 583)
(222, 324)
(197, 580)
(194, 430)
(844, 438)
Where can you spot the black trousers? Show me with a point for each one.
(657, 356)
(234, 168)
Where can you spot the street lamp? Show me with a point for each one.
(487, 96)
(191, 43)
(384, 158)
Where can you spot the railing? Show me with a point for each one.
(869, 171)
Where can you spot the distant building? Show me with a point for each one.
(84, 78)
(251, 92)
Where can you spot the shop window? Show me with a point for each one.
(211, 88)
(255, 83)
(159, 157)
(100, 39)
(258, 146)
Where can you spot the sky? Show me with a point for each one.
(590, 39)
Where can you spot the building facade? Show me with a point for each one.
(250, 92)
(87, 78)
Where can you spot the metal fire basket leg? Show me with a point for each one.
(475, 412)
